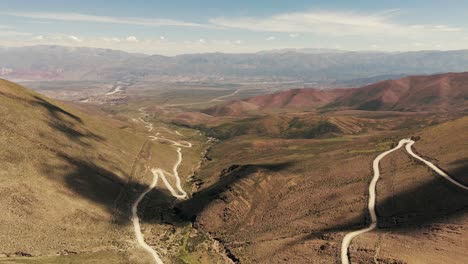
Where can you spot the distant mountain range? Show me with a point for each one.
(304, 50)
(312, 67)
(433, 93)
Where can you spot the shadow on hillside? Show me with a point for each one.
(106, 188)
(59, 119)
(117, 194)
(54, 110)
(189, 209)
(429, 203)
(66, 123)
(72, 132)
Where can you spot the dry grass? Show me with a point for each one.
(55, 163)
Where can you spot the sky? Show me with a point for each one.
(177, 27)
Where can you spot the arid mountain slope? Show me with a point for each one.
(423, 217)
(61, 173)
(434, 93)
(70, 174)
(295, 199)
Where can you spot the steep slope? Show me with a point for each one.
(61, 173)
(433, 93)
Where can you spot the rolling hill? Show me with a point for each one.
(433, 93)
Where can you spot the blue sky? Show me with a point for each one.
(175, 27)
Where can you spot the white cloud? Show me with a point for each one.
(202, 41)
(77, 17)
(40, 37)
(330, 23)
(238, 41)
(75, 38)
(162, 38)
(270, 38)
(13, 33)
(132, 39)
(113, 39)
(293, 35)
(446, 28)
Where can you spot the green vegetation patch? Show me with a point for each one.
(187, 253)
(380, 147)
(322, 128)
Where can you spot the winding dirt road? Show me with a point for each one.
(371, 206)
(160, 173)
(136, 223)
